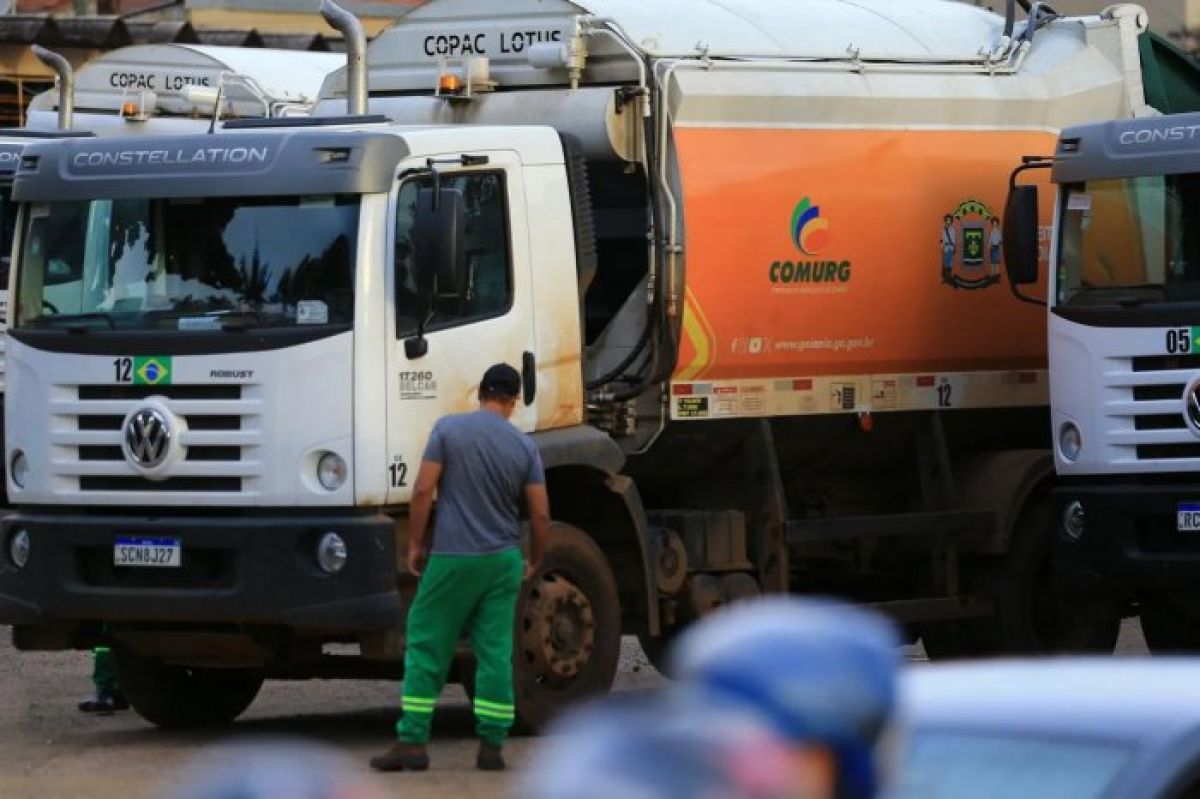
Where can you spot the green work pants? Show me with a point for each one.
(104, 672)
(475, 595)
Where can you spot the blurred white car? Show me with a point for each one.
(1052, 729)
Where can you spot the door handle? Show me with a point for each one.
(529, 376)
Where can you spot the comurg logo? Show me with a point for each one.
(809, 230)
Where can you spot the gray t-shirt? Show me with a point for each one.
(486, 464)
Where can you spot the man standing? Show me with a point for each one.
(481, 466)
(108, 695)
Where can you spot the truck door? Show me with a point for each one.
(491, 321)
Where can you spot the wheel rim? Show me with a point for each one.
(558, 630)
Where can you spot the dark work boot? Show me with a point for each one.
(402, 757)
(489, 758)
(102, 704)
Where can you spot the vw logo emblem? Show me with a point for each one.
(147, 438)
(1191, 410)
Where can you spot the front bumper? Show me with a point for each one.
(1130, 541)
(237, 569)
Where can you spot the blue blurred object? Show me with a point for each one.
(817, 671)
(279, 769)
(655, 749)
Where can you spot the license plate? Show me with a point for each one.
(157, 553)
(1187, 516)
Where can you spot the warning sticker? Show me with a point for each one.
(843, 396)
(1079, 201)
(691, 407)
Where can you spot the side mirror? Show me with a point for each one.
(439, 256)
(1021, 235)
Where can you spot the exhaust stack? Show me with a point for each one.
(66, 84)
(356, 54)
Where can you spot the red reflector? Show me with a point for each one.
(682, 389)
(925, 381)
(802, 385)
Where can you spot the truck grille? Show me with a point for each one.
(1144, 410)
(221, 440)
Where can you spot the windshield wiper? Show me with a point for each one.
(242, 320)
(73, 322)
(234, 320)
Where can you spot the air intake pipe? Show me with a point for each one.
(351, 29)
(66, 84)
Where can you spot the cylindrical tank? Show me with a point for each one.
(833, 181)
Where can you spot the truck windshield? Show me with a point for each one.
(1130, 241)
(188, 264)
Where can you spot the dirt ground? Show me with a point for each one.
(48, 750)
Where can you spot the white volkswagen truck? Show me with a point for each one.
(160, 88)
(1124, 337)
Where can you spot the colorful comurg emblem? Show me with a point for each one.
(809, 230)
(971, 244)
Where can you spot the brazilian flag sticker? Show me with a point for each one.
(153, 370)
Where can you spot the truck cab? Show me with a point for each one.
(1124, 310)
(203, 294)
(159, 89)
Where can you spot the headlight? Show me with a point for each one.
(18, 548)
(1073, 520)
(19, 468)
(332, 471)
(332, 553)
(1070, 442)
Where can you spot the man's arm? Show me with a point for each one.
(428, 477)
(538, 503)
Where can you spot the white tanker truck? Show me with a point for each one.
(745, 255)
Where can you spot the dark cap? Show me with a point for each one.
(500, 380)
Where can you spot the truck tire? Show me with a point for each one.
(658, 649)
(951, 640)
(706, 594)
(568, 637)
(1033, 615)
(1167, 627)
(184, 697)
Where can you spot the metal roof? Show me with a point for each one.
(230, 37)
(105, 32)
(312, 42)
(109, 32)
(162, 32)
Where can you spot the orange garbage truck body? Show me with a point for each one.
(797, 325)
